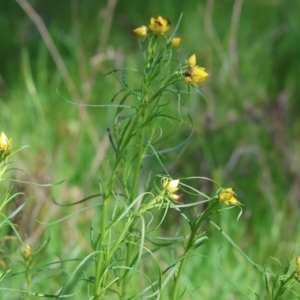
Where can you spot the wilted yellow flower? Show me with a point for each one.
(141, 31)
(175, 41)
(4, 143)
(171, 186)
(174, 197)
(159, 25)
(27, 253)
(227, 197)
(195, 74)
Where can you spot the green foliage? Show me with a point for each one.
(245, 136)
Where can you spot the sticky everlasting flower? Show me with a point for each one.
(227, 197)
(141, 31)
(175, 41)
(159, 25)
(195, 74)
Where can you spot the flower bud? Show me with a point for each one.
(227, 197)
(4, 143)
(174, 197)
(141, 31)
(175, 41)
(27, 253)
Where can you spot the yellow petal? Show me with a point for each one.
(152, 21)
(198, 74)
(191, 61)
(160, 20)
(233, 201)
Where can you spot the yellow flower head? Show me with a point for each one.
(175, 41)
(227, 197)
(27, 253)
(195, 74)
(4, 143)
(159, 25)
(141, 31)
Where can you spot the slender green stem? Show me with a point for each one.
(28, 281)
(195, 229)
(103, 260)
(283, 286)
(100, 265)
(134, 189)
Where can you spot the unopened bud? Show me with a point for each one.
(27, 253)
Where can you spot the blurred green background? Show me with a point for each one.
(246, 132)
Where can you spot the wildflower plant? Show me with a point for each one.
(126, 236)
(6, 150)
(135, 203)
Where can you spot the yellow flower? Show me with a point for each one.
(27, 253)
(159, 25)
(4, 143)
(298, 261)
(141, 31)
(175, 41)
(227, 197)
(195, 74)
